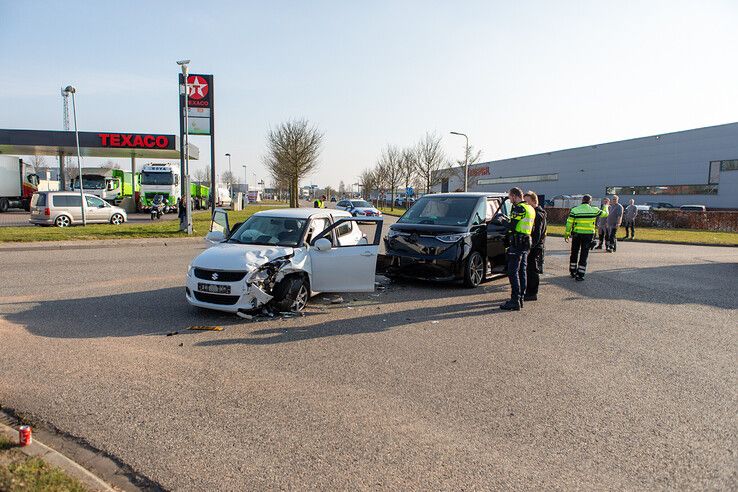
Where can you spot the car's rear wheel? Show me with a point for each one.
(116, 219)
(291, 294)
(62, 221)
(4, 204)
(474, 270)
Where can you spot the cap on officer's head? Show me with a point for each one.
(586, 198)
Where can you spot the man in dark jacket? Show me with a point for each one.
(537, 248)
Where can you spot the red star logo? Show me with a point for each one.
(197, 87)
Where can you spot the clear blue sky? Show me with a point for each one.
(519, 77)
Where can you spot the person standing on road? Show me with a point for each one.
(631, 211)
(614, 219)
(319, 202)
(522, 217)
(537, 248)
(580, 225)
(602, 226)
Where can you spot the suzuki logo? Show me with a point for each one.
(214, 276)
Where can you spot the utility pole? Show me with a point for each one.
(466, 160)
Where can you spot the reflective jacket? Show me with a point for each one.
(582, 219)
(318, 203)
(522, 217)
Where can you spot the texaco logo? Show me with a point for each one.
(197, 87)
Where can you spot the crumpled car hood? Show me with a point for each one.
(239, 257)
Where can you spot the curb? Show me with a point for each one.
(58, 460)
(681, 243)
(96, 243)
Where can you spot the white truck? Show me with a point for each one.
(223, 197)
(18, 183)
(159, 179)
(105, 183)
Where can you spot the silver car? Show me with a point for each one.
(62, 209)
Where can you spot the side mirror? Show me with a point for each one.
(323, 244)
(215, 237)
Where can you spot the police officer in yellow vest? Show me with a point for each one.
(522, 217)
(580, 225)
(319, 202)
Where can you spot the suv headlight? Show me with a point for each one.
(392, 234)
(189, 270)
(452, 238)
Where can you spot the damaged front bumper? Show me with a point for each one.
(252, 292)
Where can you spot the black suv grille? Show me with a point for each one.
(221, 276)
(216, 298)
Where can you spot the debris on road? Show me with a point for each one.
(244, 315)
(206, 328)
(172, 333)
(337, 300)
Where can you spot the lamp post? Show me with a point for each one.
(186, 147)
(71, 90)
(246, 178)
(466, 160)
(229, 162)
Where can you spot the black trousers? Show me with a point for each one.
(534, 271)
(517, 271)
(612, 238)
(630, 228)
(580, 244)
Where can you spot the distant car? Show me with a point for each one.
(660, 205)
(358, 208)
(63, 209)
(693, 208)
(400, 201)
(280, 258)
(449, 236)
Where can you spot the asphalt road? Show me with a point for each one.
(628, 380)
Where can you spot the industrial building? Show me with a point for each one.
(697, 166)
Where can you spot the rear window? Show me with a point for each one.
(345, 228)
(67, 201)
(38, 200)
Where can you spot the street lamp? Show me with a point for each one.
(229, 162)
(186, 147)
(246, 177)
(466, 160)
(71, 90)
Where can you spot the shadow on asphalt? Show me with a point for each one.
(380, 321)
(156, 312)
(709, 284)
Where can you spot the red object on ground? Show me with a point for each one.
(24, 435)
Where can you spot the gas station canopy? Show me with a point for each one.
(92, 144)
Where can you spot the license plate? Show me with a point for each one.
(214, 288)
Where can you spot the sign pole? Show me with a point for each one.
(182, 95)
(212, 146)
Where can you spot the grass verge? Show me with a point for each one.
(154, 229)
(397, 212)
(689, 236)
(19, 472)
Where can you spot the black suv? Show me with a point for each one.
(449, 236)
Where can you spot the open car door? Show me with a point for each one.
(219, 229)
(346, 266)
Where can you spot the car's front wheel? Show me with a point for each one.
(116, 219)
(291, 294)
(474, 270)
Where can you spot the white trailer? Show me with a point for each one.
(18, 183)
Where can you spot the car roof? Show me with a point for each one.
(302, 213)
(476, 194)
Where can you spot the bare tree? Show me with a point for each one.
(328, 191)
(228, 179)
(201, 176)
(389, 169)
(457, 170)
(341, 188)
(39, 165)
(293, 149)
(367, 182)
(407, 167)
(430, 160)
(110, 164)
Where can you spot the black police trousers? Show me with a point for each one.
(580, 245)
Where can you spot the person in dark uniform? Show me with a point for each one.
(522, 217)
(537, 248)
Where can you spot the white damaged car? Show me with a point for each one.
(281, 257)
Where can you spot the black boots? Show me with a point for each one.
(511, 305)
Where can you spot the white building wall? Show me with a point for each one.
(681, 158)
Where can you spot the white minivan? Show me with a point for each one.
(280, 258)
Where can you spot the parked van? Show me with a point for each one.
(63, 209)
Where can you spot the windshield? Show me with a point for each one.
(149, 178)
(441, 210)
(89, 182)
(361, 204)
(272, 231)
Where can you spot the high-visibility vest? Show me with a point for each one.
(319, 203)
(523, 216)
(582, 219)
